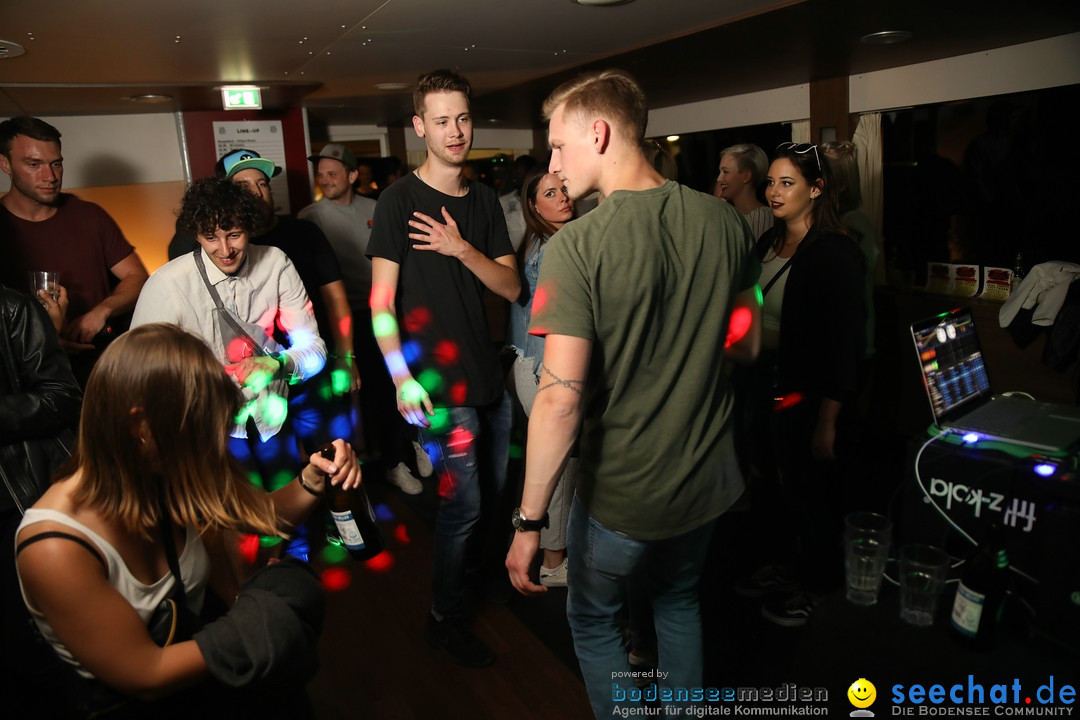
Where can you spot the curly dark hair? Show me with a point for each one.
(215, 202)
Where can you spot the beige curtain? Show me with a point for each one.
(867, 139)
(800, 131)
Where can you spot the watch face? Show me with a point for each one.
(515, 518)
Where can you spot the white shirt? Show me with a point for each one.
(264, 291)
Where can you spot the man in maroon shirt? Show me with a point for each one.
(42, 228)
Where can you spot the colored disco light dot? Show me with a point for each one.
(1045, 469)
(280, 479)
(270, 541)
(446, 353)
(738, 326)
(341, 381)
(460, 440)
(412, 392)
(431, 380)
(334, 554)
(248, 545)
(540, 298)
(275, 409)
(417, 319)
(401, 534)
(447, 485)
(335, 579)
(516, 451)
(411, 350)
(457, 393)
(440, 421)
(384, 325)
(380, 563)
(383, 513)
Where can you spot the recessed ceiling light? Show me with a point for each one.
(886, 37)
(601, 3)
(10, 49)
(392, 86)
(150, 98)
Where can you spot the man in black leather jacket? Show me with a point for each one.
(39, 399)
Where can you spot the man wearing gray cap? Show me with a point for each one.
(346, 218)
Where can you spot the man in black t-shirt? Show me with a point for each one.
(437, 242)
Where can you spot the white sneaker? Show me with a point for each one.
(423, 462)
(404, 479)
(553, 577)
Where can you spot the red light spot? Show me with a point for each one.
(382, 295)
(539, 299)
(445, 352)
(401, 534)
(1027, 700)
(345, 326)
(460, 440)
(787, 401)
(238, 349)
(249, 548)
(447, 483)
(336, 579)
(417, 320)
(457, 393)
(739, 326)
(380, 563)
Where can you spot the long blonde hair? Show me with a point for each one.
(167, 378)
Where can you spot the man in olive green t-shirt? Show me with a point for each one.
(640, 301)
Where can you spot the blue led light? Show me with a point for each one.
(970, 437)
(1045, 469)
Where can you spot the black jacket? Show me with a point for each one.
(823, 316)
(42, 399)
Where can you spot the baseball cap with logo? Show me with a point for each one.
(338, 152)
(238, 160)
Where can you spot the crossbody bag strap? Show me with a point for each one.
(167, 540)
(777, 276)
(241, 332)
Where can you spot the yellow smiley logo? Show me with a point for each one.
(862, 693)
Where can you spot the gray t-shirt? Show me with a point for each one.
(348, 228)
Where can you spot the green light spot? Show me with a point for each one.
(275, 408)
(270, 541)
(440, 421)
(280, 480)
(384, 325)
(515, 452)
(431, 380)
(341, 381)
(334, 554)
(412, 392)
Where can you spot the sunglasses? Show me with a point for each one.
(801, 149)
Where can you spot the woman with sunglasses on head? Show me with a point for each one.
(546, 207)
(812, 343)
(138, 517)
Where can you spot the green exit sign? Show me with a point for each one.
(241, 98)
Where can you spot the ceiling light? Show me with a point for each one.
(886, 37)
(392, 86)
(150, 98)
(601, 3)
(10, 49)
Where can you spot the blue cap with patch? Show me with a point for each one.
(239, 160)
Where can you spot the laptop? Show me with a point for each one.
(958, 387)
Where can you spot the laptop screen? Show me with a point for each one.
(951, 361)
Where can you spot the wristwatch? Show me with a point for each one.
(523, 524)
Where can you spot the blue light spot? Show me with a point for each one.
(971, 437)
(1045, 469)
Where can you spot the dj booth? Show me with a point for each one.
(956, 489)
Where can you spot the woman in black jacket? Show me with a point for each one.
(39, 400)
(812, 342)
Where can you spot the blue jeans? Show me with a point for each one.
(470, 453)
(601, 562)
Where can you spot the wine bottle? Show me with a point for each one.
(353, 517)
(980, 595)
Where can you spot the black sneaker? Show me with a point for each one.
(459, 642)
(792, 611)
(766, 580)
